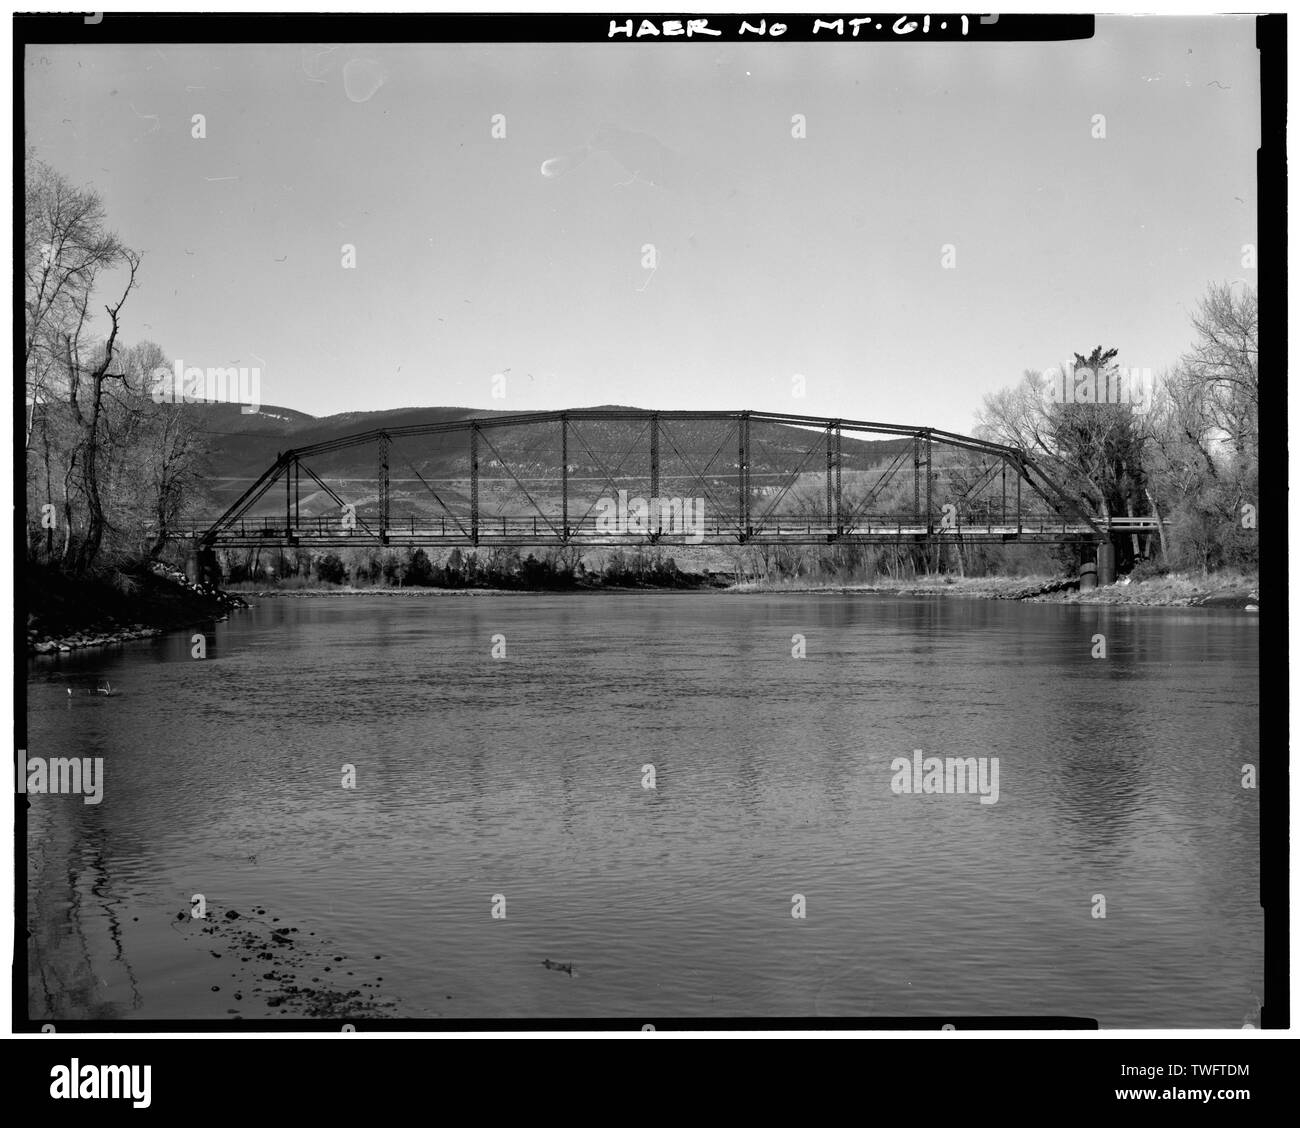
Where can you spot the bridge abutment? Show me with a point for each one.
(1105, 563)
(201, 565)
(1101, 569)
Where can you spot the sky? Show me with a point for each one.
(772, 256)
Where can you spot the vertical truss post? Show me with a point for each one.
(473, 483)
(288, 496)
(383, 488)
(839, 485)
(654, 472)
(916, 476)
(830, 467)
(929, 501)
(743, 471)
(1020, 524)
(297, 494)
(1002, 517)
(564, 476)
(929, 483)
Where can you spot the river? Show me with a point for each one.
(502, 748)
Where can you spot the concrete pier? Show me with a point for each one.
(1105, 563)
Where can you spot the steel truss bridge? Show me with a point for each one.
(553, 478)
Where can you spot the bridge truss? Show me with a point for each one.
(553, 478)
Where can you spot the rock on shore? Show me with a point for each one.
(67, 613)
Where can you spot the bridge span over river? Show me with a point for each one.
(593, 477)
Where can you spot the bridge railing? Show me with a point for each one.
(364, 527)
(1126, 523)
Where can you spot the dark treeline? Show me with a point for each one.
(849, 563)
(556, 569)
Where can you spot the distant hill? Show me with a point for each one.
(243, 446)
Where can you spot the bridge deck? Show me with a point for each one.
(539, 531)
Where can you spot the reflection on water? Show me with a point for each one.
(522, 777)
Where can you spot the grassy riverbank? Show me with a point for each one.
(1173, 590)
(1226, 589)
(1232, 590)
(68, 613)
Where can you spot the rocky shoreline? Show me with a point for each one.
(279, 980)
(170, 602)
(38, 645)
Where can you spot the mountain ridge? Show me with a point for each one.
(242, 447)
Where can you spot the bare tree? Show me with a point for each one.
(66, 247)
(1225, 361)
(1093, 448)
(88, 416)
(1192, 459)
(1204, 434)
(153, 452)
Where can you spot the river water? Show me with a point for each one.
(516, 783)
